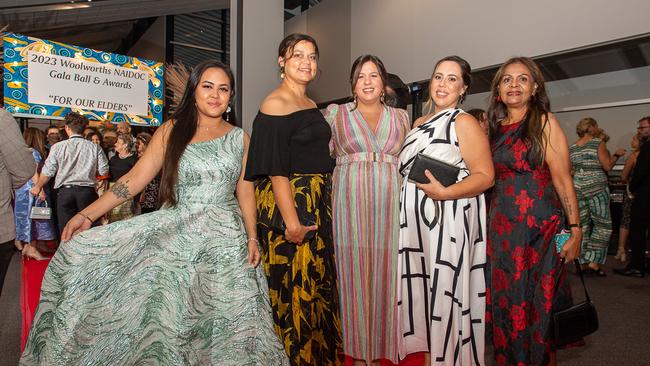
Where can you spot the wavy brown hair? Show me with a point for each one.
(35, 139)
(185, 121)
(536, 115)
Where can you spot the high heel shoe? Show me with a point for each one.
(621, 255)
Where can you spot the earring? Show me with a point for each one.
(356, 103)
(281, 72)
(228, 114)
(498, 98)
(462, 98)
(381, 98)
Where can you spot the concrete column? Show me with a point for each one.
(257, 27)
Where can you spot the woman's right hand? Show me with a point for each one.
(297, 234)
(76, 225)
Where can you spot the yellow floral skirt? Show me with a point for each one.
(302, 277)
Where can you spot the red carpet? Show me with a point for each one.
(415, 359)
(32, 272)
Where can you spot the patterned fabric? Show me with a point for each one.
(525, 214)
(441, 257)
(627, 210)
(172, 287)
(592, 190)
(16, 167)
(302, 277)
(365, 206)
(589, 177)
(596, 221)
(150, 194)
(26, 228)
(75, 161)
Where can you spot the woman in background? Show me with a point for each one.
(38, 236)
(367, 135)
(533, 184)
(626, 175)
(120, 164)
(442, 234)
(590, 163)
(290, 163)
(28, 230)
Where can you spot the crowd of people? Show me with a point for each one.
(357, 259)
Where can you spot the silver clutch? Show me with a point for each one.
(40, 213)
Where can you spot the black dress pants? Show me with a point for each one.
(71, 200)
(639, 223)
(7, 250)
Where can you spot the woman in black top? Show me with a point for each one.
(120, 164)
(290, 163)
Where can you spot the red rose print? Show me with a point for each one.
(548, 287)
(510, 191)
(499, 338)
(505, 245)
(520, 262)
(499, 280)
(501, 224)
(531, 221)
(524, 202)
(518, 315)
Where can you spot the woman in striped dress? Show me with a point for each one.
(367, 136)
(590, 161)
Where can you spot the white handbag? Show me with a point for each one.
(40, 213)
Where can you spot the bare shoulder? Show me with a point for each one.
(277, 104)
(421, 120)
(465, 118)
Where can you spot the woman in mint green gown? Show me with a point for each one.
(179, 286)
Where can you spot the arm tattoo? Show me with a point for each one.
(121, 190)
(567, 206)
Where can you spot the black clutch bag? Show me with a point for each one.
(572, 324)
(306, 219)
(446, 173)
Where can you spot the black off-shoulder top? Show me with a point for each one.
(293, 143)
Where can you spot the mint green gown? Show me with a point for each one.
(171, 287)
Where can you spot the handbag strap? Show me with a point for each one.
(582, 278)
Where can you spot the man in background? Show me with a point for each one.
(17, 166)
(639, 219)
(75, 162)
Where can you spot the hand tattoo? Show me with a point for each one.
(120, 190)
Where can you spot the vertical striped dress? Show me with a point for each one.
(365, 210)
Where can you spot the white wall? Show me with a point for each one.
(151, 45)
(329, 24)
(263, 29)
(411, 35)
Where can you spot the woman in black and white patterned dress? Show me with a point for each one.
(442, 230)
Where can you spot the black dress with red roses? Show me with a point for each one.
(525, 214)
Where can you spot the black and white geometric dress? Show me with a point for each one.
(441, 257)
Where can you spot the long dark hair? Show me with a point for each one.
(536, 116)
(356, 70)
(184, 125)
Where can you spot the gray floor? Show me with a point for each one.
(623, 305)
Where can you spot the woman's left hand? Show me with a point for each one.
(41, 196)
(434, 189)
(253, 253)
(571, 249)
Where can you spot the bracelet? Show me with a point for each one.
(85, 217)
(253, 239)
(573, 225)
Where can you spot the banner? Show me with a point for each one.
(49, 79)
